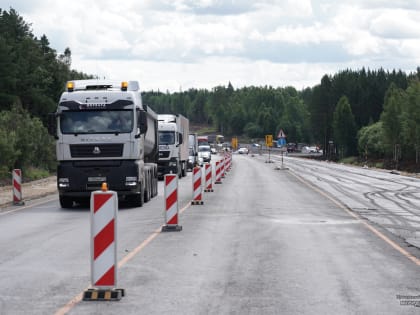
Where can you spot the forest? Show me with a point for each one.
(369, 114)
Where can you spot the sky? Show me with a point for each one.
(175, 45)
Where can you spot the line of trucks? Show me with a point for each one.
(104, 133)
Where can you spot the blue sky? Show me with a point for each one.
(177, 45)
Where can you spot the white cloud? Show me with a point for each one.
(203, 43)
(396, 24)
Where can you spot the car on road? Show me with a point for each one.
(204, 152)
(243, 150)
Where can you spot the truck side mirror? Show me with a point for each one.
(142, 121)
(52, 124)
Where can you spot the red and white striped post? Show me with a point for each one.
(197, 187)
(223, 167)
(229, 162)
(103, 225)
(208, 177)
(218, 173)
(17, 187)
(171, 204)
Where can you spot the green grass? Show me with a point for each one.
(32, 173)
(353, 160)
(28, 174)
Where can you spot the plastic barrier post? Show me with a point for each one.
(17, 187)
(208, 177)
(171, 204)
(223, 166)
(103, 225)
(218, 173)
(197, 187)
(229, 163)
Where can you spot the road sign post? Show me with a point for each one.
(269, 144)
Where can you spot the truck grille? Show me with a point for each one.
(96, 150)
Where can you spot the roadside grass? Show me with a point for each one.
(28, 174)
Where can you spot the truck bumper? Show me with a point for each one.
(167, 167)
(80, 178)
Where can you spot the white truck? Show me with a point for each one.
(173, 144)
(105, 134)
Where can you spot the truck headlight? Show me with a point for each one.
(131, 181)
(63, 182)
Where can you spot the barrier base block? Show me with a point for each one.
(103, 294)
(218, 182)
(18, 203)
(197, 202)
(171, 228)
(209, 190)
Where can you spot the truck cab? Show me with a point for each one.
(173, 145)
(104, 135)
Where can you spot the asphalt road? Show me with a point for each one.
(383, 197)
(265, 242)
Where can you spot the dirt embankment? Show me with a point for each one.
(30, 190)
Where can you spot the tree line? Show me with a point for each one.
(32, 77)
(373, 114)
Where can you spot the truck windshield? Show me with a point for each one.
(166, 137)
(84, 122)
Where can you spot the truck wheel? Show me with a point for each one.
(137, 200)
(154, 184)
(148, 187)
(184, 169)
(66, 202)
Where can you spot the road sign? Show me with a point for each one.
(281, 134)
(235, 143)
(269, 140)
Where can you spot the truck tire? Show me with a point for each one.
(65, 202)
(148, 187)
(154, 183)
(184, 169)
(137, 200)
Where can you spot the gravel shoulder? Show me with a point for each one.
(31, 190)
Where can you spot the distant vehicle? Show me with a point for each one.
(243, 150)
(307, 150)
(213, 151)
(203, 140)
(291, 147)
(204, 152)
(220, 139)
(173, 144)
(193, 151)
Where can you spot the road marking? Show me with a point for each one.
(359, 218)
(19, 208)
(78, 298)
